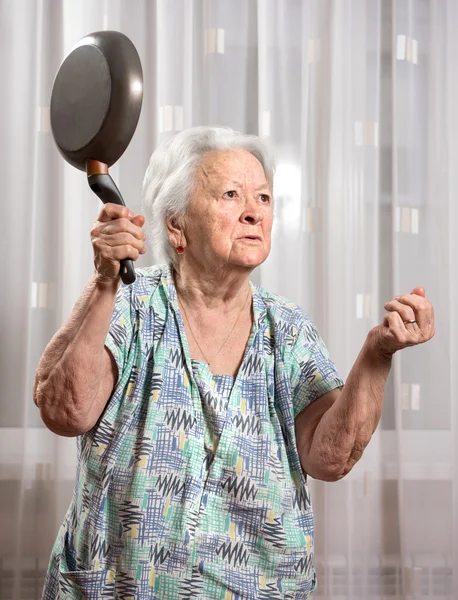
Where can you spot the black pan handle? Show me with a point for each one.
(107, 190)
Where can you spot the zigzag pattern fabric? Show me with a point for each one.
(190, 485)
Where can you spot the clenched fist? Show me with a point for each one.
(410, 321)
(117, 234)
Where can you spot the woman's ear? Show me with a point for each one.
(175, 231)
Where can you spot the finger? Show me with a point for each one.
(114, 254)
(138, 220)
(406, 312)
(123, 239)
(419, 291)
(424, 313)
(127, 251)
(118, 226)
(394, 323)
(112, 211)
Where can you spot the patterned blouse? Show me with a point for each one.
(190, 485)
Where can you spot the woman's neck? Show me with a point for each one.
(212, 290)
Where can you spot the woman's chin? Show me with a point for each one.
(250, 260)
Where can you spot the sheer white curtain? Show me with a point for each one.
(359, 99)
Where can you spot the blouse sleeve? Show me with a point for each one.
(119, 337)
(313, 372)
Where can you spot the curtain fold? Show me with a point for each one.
(358, 99)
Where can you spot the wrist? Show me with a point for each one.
(373, 352)
(106, 284)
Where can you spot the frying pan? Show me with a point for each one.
(95, 105)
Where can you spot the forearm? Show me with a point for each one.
(346, 428)
(70, 371)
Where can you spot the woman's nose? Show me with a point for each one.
(252, 217)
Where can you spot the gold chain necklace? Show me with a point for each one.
(228, 336)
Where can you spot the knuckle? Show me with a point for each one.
(97, 243)
(132, 241)
(399, 335)
(124, 224)
(112, 254)
(105, 253)
(118, 239)
(114, 211)
(107, 211)
(129, 240)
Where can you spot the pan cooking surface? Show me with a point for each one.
(81, 98)
(96, 99)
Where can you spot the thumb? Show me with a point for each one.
(138, 220)
(419, 291)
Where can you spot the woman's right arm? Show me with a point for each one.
(76, 374)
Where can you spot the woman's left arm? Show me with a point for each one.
(333, 431)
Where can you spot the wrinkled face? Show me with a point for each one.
(229, 219)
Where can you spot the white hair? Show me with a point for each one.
(169, 178)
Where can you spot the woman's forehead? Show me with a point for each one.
(237, 166)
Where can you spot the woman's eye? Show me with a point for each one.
(265, 199)
(231, 194)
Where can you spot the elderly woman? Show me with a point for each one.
(201, 401)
